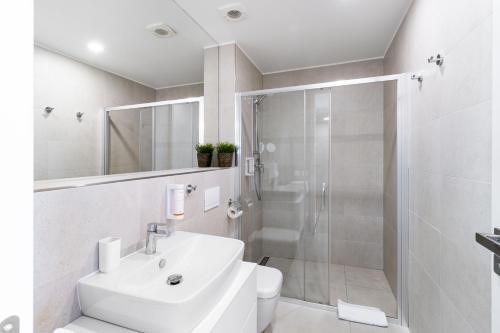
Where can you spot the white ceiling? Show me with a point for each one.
(277, 34)
(287, 34)
(130, 50)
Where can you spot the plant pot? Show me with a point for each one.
(204, 160)
(225, 160)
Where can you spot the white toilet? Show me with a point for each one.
(269, 281)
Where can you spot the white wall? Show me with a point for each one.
(450, 163)
(64, 146)
(495, 216)
(68, 223)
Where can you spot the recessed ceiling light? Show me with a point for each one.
(95, 47)
(233, 12)
(326, 118)
(161, 30)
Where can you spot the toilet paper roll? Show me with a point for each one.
(233, 213)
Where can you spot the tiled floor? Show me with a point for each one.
(294, 318)
(351, 284)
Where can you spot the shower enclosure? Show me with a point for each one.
(326, 200)
(152, 136)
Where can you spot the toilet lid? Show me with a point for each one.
(269, 282)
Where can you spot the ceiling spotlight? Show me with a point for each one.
(233, 12)
(95, 47)
(161, 30)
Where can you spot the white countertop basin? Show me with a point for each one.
(136, 295)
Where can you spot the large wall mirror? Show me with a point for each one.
(119, 87)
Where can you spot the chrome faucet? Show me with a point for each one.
(153, 233)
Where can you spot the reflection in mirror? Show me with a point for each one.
(153, 136)
(93, 57)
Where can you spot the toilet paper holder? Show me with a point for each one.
(234, 209)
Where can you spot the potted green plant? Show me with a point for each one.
(204, 154)
(225, 152)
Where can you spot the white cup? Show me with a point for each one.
(109, 254)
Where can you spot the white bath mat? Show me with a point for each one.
(361, 314)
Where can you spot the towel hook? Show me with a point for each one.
(438, 60)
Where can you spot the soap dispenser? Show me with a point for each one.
(175, 201)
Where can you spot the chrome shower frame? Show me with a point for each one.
(403, 116)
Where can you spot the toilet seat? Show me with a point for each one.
(269, 282)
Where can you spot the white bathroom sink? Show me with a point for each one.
(136, 294)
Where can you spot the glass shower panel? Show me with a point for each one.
(129, 141)
(358, 221)
(280, 134)
(251, 225)
(315, 236)
(176, 134)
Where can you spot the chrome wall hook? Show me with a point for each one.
(417, 77)
(49, 109)
(79, 115)
(438, 60)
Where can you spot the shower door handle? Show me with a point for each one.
(322, 207)
(323, 196)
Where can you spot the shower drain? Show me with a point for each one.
(174, 279)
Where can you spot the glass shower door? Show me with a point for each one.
(280, 133)
(315, 236)
(128, 146)
(287, 224)
(175, 135)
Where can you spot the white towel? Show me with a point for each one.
(361, 314)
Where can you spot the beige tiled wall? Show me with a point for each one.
(353, 70)
(357, 175)
(237, 74)
(211, 93)
(68, 223)
(64, 146)
(180, 92)
(248, 77)
(390, 238)
(450, 162)
(227, 89)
